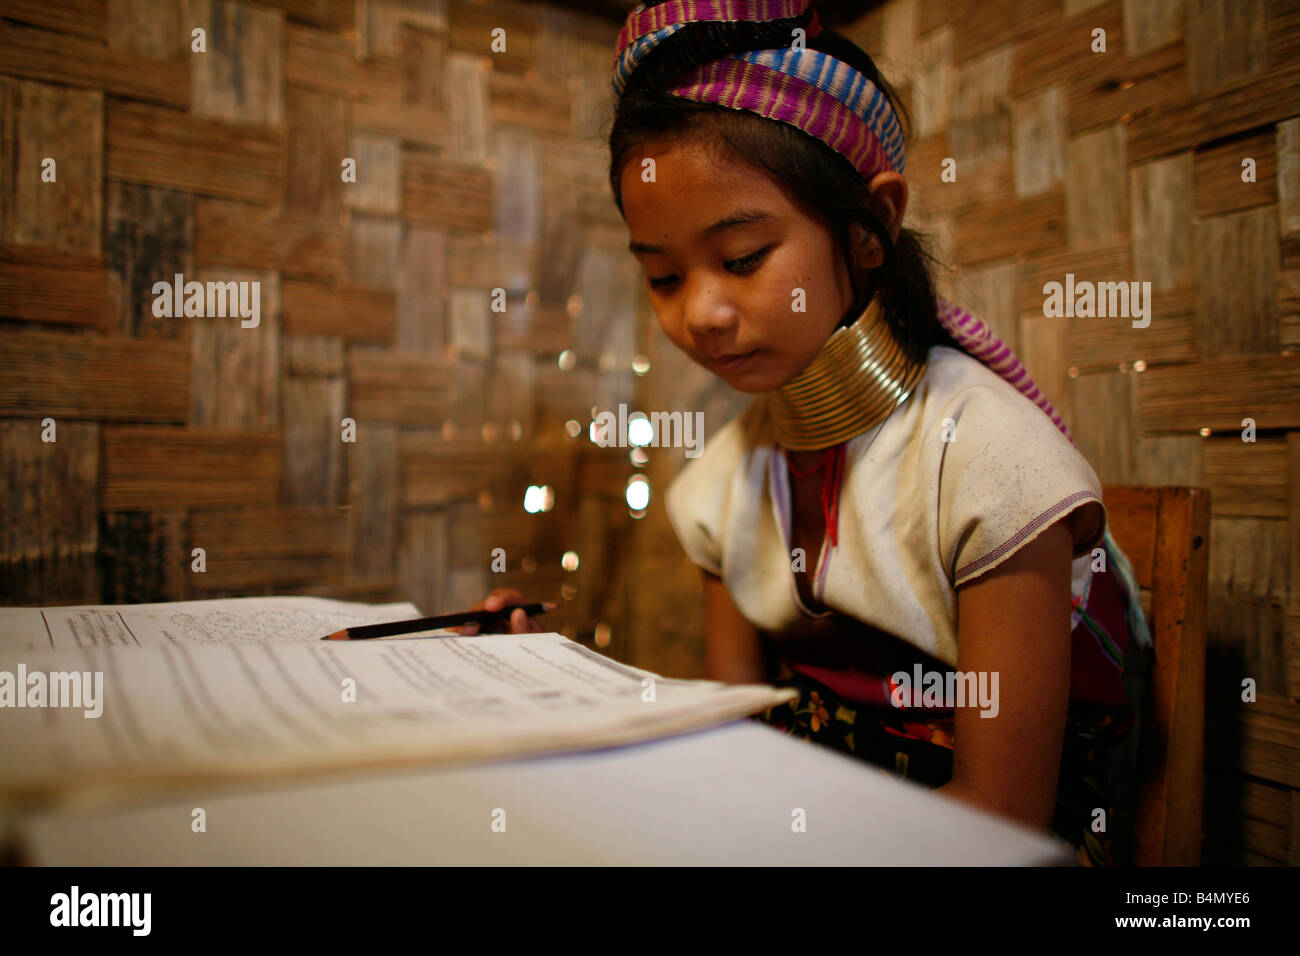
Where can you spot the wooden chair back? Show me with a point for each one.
(1165, 532)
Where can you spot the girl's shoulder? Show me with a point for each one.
(700, 497)
(950, 371)
(957, 385)
(1001, 469)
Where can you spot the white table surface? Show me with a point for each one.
(723, 796)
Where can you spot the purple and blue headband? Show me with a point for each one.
(808, 89)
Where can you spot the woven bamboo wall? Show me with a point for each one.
(481, 170)
(476, 170)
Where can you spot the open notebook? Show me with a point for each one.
(241, 689)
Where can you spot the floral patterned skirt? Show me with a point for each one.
(919, 748)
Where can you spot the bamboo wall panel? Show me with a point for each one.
(94, 377)
(65, 126)
(243, 81)
(150, 466)
(313, 413)
(76, 61)
(49, 287)
(347, 310)
(317, 142)
(247, 547)
(87, 18)
(150, 238)
(421, 284)
(235, 377)
(149, 27)
(153, 145)
(240, 235)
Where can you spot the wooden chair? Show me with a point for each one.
(1165, 532)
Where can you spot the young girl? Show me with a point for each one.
(898, 500)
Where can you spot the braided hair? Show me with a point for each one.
(823, 182)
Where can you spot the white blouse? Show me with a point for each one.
(962, 475)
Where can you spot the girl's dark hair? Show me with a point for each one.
(822, 181)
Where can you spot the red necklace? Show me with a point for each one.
(832, 456)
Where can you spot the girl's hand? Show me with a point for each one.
(519, 622)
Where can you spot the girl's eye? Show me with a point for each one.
(747, 262)
(744, 264)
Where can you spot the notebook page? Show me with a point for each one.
(189, 711)
(246, 620)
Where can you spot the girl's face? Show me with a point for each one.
(726, 251)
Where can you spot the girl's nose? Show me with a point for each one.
(708, 310)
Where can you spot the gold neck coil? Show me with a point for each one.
(861, 375)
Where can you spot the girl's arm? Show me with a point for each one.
(732, 652)
(1015, 620)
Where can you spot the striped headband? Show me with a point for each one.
(807, 89)
(827, 99)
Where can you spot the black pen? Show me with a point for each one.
(429, 623)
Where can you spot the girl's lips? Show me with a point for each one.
(731, 364)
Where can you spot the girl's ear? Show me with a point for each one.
(889, 189)
(866, 248)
